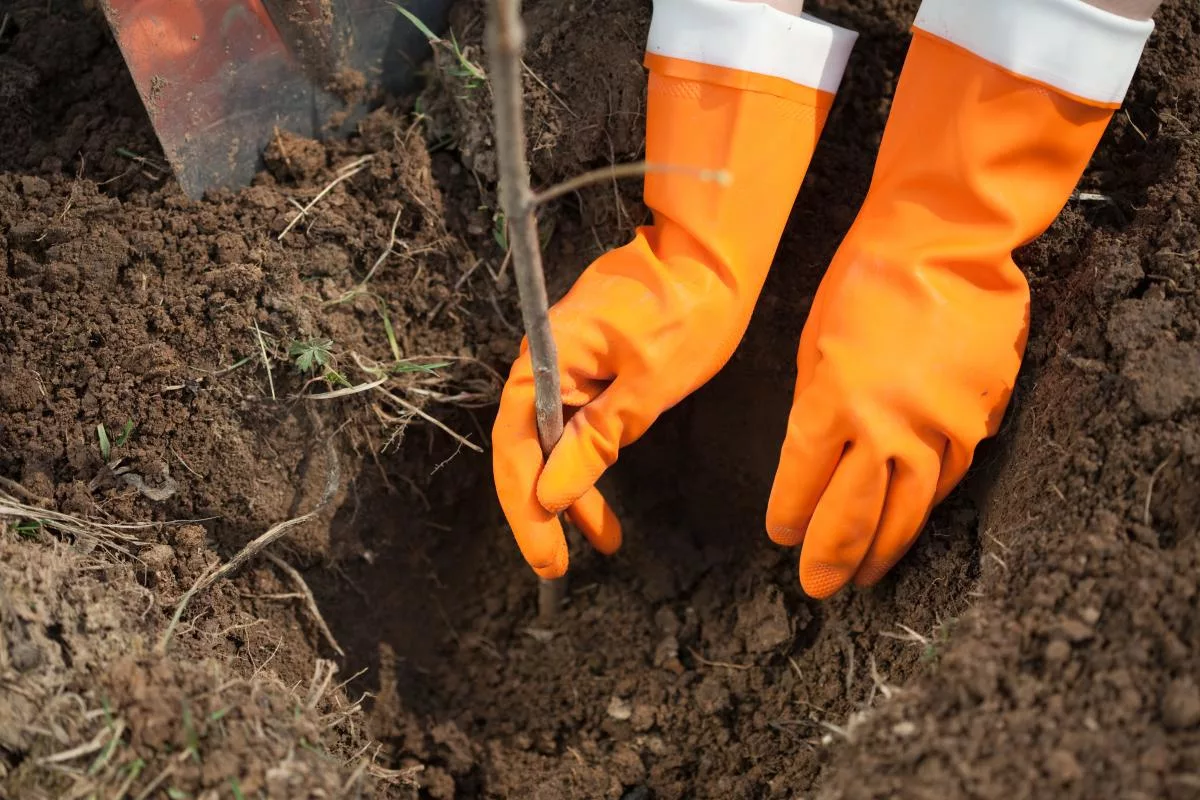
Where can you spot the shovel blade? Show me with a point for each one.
(220, 77)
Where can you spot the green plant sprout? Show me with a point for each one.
(311, 355)
(466, 70)
(107, 445)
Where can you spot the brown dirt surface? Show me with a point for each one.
(1041, 640)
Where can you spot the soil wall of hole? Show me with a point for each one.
(1041, 640)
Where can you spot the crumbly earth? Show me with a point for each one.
(1041, 640)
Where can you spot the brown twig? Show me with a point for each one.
(506, 40)
(632, 170)
(723, 664)
(18, 489)
(1147, 519)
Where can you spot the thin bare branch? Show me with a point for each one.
(631, 170)
(506, 40)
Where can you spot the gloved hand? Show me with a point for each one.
(915, 337)
(647, 324)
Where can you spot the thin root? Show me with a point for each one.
(332, 481)
(309, 600)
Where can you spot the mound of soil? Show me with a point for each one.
(1041, 639)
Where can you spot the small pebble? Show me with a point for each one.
(1076, 631)
(1063, 767)
(666, 651)
(1181, 704)
(158, 557)
(666, 621)
(712, 696)
(643, 718)
(619, 709)
(1057, 652)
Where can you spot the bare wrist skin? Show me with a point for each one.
(794, 7)
(1133, 9)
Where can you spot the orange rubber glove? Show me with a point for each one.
(733, 86)
(915, 337)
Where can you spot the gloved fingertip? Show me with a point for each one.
(597, 522)
(574, 397)
(561, 485)
(786, 535)
(589, 445)
(870, 574)
(557, 566)
(821, 581)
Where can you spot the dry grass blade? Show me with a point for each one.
(723, 664)
(1147, 519)
(262, 348)
(162, 776)
(17, 488)
(412, 409)
(387, 251)
(346, 172)
(332, 481)
(318, 685)
(346, 391)
(117, 537)
(404, 777)
(909, 635)
(85, 749)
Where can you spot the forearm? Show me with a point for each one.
(1133, 9)
(786, 6)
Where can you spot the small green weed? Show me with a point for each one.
(190, 734)
(107, 445)
(311, 355)
(30, 529)
(464, 69)
(500, 230)
(431, 369)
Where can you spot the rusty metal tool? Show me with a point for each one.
(219, 77)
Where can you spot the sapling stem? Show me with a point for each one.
(506, 40)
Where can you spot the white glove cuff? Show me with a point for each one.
(1068, 45)
(752, 37)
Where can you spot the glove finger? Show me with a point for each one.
(590, 444)
(811, 451)
(844, 522)
(910, 498)
(516, 465)
(596, 521)
(955, 463)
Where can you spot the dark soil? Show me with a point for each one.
(1043, 639)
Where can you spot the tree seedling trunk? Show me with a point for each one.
(506, 35)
